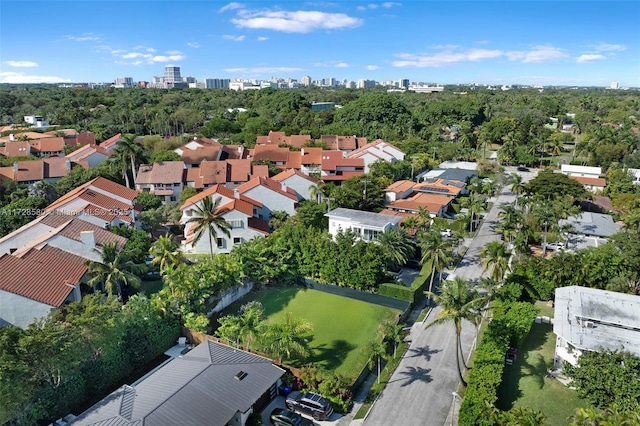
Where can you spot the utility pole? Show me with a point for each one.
(329, 203)
(364, 192)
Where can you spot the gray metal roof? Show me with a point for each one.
(462, 175)
(365, 218)
(596, 224)
(591, 319)
(196, 389)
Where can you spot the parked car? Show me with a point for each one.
(313, 404)
(446, 233)
(554, 246)
(522, 169)
(284, 417)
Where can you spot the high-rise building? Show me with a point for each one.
(217, 83)
(123, 82)
(172, 75)
(306, 80)
(614, 85)
(366, 84)
(403, 83)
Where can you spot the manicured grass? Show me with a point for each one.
(342, 327)
(524, 383)
(546, 310)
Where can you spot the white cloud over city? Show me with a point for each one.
(21, 64)
(18, 78)
(298, 21)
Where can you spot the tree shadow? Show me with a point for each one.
(413, 374)
(421, 352)
(530, 363)
(330, 357)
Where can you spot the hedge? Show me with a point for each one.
(411, 294)
(509, 326)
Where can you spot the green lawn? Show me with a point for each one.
(524, 383)
(342, 327)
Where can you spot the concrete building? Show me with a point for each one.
(306, 80)
(36, 121)
(217, 83)
(580, 171)
(588, 319)
(366, 84)
(124, 83)
(172, 75)
(365, 224)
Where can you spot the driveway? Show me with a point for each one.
(420, 391)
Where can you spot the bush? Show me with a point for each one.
(399, 292)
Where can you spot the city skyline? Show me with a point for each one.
(455, 42)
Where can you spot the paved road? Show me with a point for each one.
(420, 391)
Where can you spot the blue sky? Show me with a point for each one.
(576, 43)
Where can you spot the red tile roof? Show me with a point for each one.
(431, 202)
(47, 145)
(270, 153)
(269, 184)
(311, 156)
(15, 149)
(345, 143)
(85, 151)
(590, 181)
(239, 170)
(217, 189)
(35, 170)
(73, 226)
(111, 142)
(198, 155)
(259, 170)
(239, 205)
(400, 186)
(47, 276)
(103, 184)
(232, 152)
(283, 176)
(161, 172)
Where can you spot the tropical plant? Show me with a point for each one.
(517, 186)
(397, 245)
(208, 219)
(288, 338)
(376, 351)
(114, 270)
(435, 250)
(495, 256)
(128, 153)
(166, 253)
(459, 301)
(393, 333)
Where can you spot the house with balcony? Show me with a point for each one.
(163, 178)
(230, 172)
(240, 212)
(366, 225)
(336, 168)
(343, 143)
(588, 319)
(436, 204)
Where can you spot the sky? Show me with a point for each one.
(548, 43)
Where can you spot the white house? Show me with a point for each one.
(238, 210)
(587, 319)
(274, 196)
(163, 178)
(635, 175)
(93, 155)
(366, 224)
(377, 150)
(580, 171)
(298, 181)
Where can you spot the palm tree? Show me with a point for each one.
(392, 333)
(165, 253)
(317, 192)
(288, 337)
(459, 301)
(208, 219)
(511, 221)
(377, 350)
(251, 322)
(397, 246)
(128, 151)
(496, 255)
(114, 271)
(517, 187)
(436, 250)
(546, 217)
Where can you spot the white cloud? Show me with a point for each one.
(606, 47)
(166, 58)
(342, 65)
(372, 6)
(590, 57)
(21, 64)
(372, 67)
(263, 70)
(233, 38)
(84, 37)
(445, 46)
(17, 78)
(132, 55)
(440, 59)
(294, 21)
(173, 52)
(194, 44)
(390, 4)
(230, 6)
(263, 38)
(537, 54)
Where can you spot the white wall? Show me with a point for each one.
(23, 238)
(271, 201)
(231, 295)
(243, 232)
(20, 311)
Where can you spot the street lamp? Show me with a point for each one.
(453, 407)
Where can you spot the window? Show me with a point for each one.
(235, 223)
(172, 198)
(237, 240)
(175, 185)
(220, 243)
(357, 230)
(189, 213)
(370, 234)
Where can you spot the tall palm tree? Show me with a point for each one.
(208, 219)
(165, 253)
(397, 246)
(317, 192)
(547, 218)
(435, 249)
(128, 152)
(511, 221)
(459, 301)
(113, 271)
(393, 333)
(496, 255)
(288, 338)
(517, 186)
(376, 350)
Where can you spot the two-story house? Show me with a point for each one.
(163, 178)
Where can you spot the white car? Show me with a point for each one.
(446, 233)
(554, 246)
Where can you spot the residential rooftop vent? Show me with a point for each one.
(241, 375)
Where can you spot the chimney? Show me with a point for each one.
(15, 167)
(67, 164)
(88, 238)
(12, 137)
(302, 152)
(284, 187)
(236, 193)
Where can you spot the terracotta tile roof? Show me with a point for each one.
(103, 184)
(590, 181)
(270, 153)
(440, 186)
(161, 172)
(111, 142)
(47, 145)
(311, 156)
(70, 226)
(104, 202)
(193, 175)
(114, 188)
(206, 141)
(240, 170)
(17, 134)
(232, 152)
(258, 224)
(212, 172)
(47, 276)
(85, 151)
(15, 149)
(259, 170)
(331, 161)
(283, 176)
(294, 161)
(298, 141)
(273, 138)
(198, 155)
(431, 202)
(344, 143)
(400, 186)
(239, 205)
(270, 184)
(341, 176)
(217, 189)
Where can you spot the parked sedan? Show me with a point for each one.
(284, 417)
